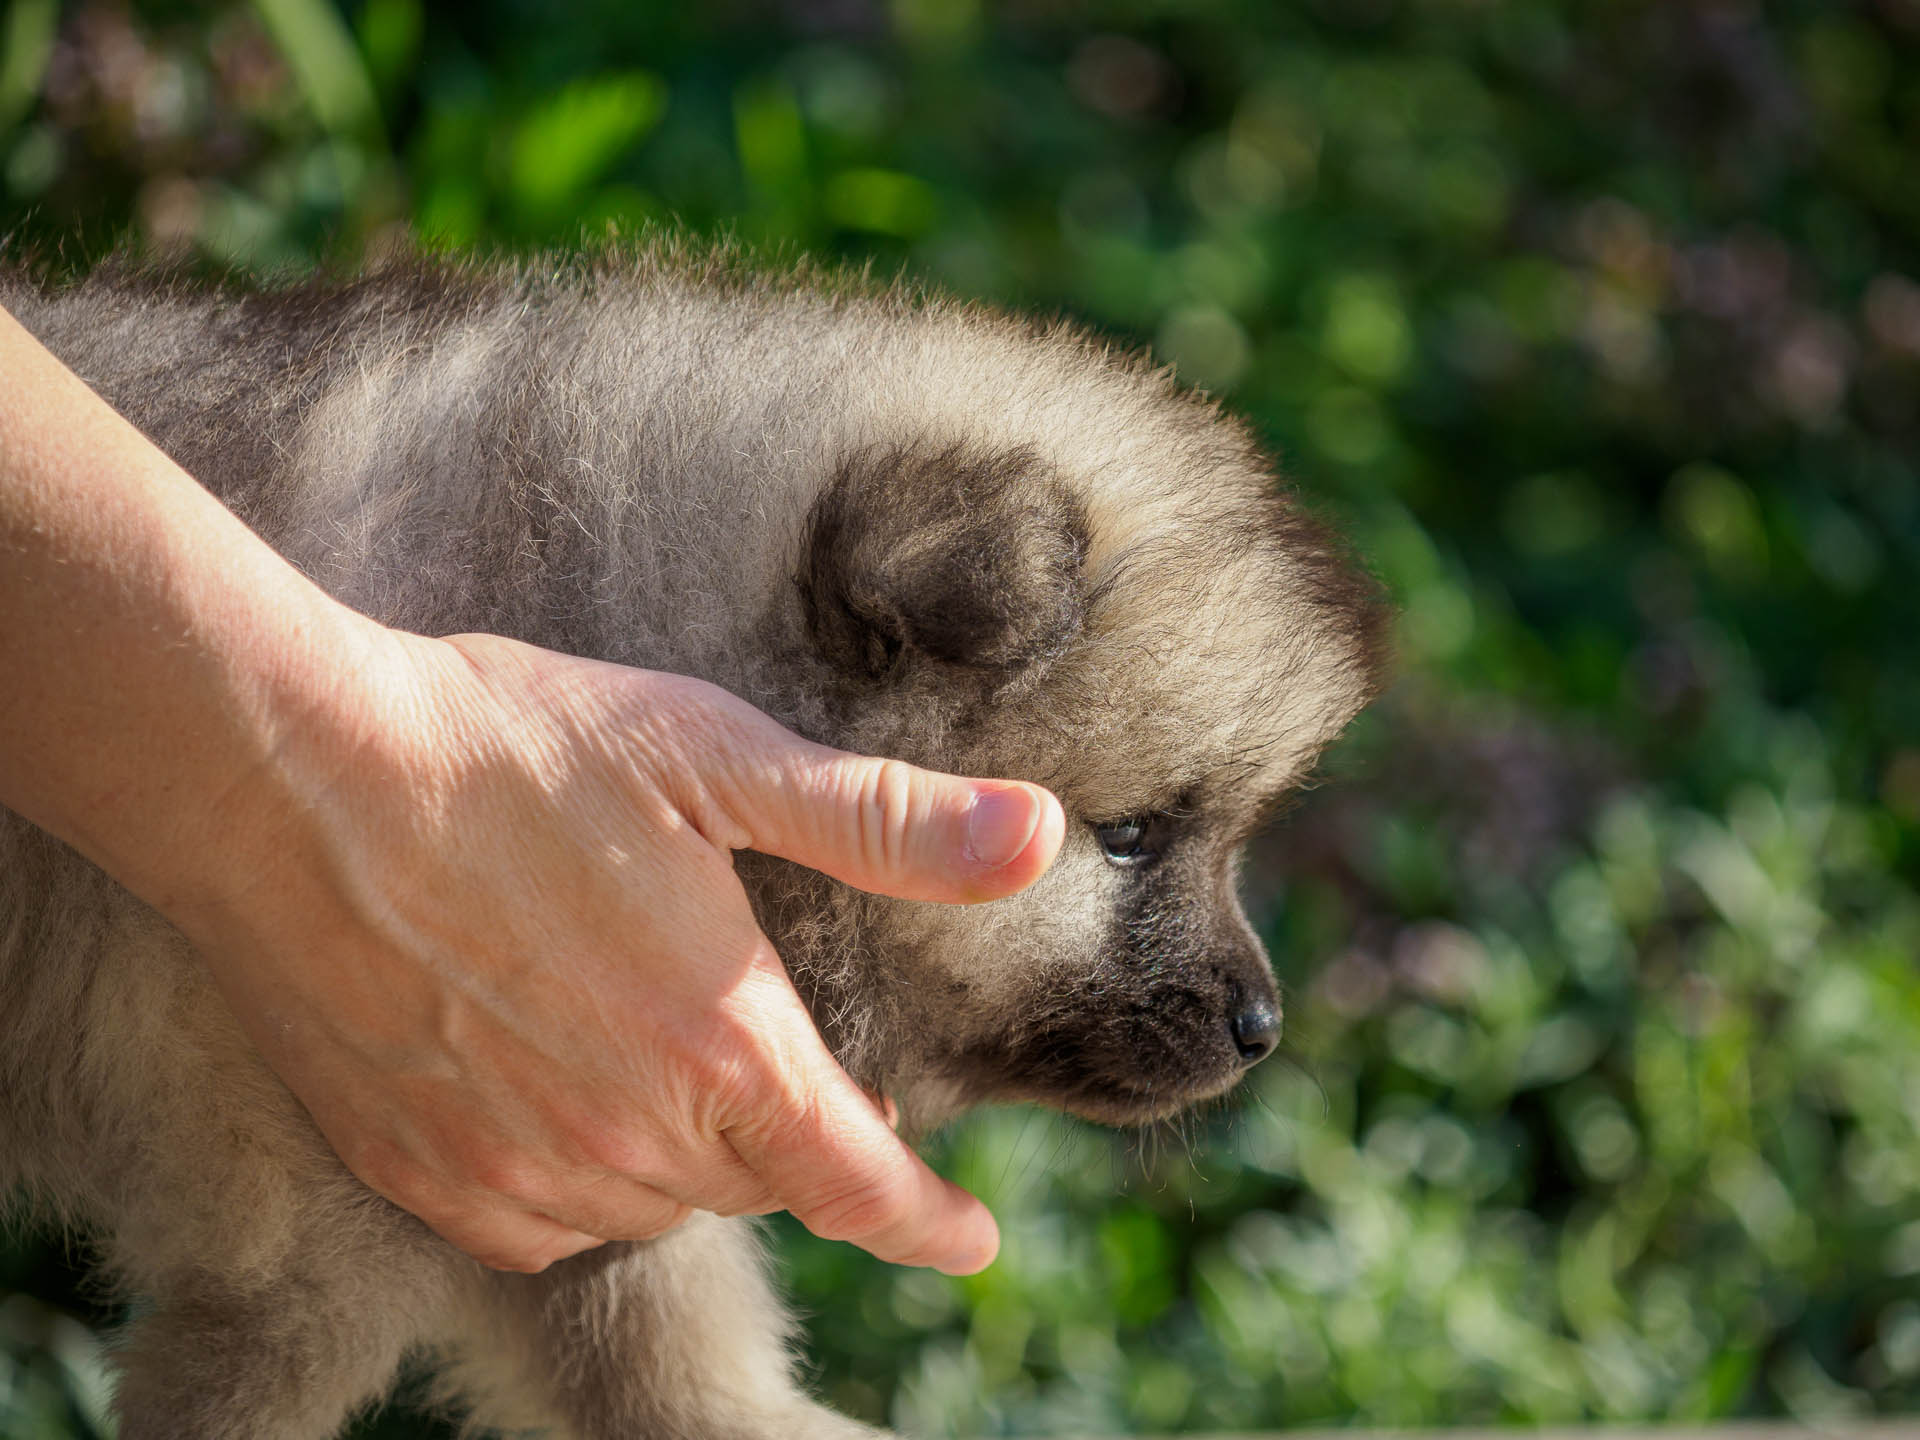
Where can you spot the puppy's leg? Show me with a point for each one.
(681, 1338)
(292, 1354)
(288, 1341)
(216, 1366)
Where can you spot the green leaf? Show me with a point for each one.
(571, 139)
(28, 45)
(390, 33)
(883, 201)
(326, 64)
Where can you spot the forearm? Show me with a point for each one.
(156, 651)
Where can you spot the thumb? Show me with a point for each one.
(890, 827)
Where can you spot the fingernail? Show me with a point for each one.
(985, 1250)
(1000, 825)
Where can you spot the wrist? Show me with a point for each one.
(274, 718)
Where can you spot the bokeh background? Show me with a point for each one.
(1598, 324)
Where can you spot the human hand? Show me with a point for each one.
(471, 900)
(498, 949)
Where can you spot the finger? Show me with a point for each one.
(884, 825)
(827, 1154)
(873, 1192)
(713, 1178)
(502, 1238)
(889, 1111)
(617, 1207)
(492, 1228)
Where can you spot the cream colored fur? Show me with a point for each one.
(900, 525)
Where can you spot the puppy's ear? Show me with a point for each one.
(968, 558)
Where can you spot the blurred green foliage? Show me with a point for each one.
(1599, 324)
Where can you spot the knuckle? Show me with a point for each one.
(713, 780)
(733, 1189)
(547, 1256)
(885, 807)
(467, 1216)
(613, 1146)
(720, 815)
(670, 1218)
(748, 1198)
(499, 1172)
(855, 1214)
(389, 1171)
(526, 1251)
(734, 1070)
(514, 1262)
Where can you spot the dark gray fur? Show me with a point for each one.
(900, 525)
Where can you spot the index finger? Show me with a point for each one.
(871, 1190)
(828, 1155)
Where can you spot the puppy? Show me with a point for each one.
(901, 526)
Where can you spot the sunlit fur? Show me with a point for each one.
(899, 524)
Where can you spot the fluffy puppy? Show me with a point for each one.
(901, 526)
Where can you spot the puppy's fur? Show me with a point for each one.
(899, 525)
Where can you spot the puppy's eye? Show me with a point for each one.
(1129, 842)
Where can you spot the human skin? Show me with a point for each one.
(472, 900)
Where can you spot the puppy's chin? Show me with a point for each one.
(1124, 1107)
(926, 1103)
(930, 1102)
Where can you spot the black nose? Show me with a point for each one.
(1256, 1030)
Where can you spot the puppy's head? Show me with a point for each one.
(1167, 648)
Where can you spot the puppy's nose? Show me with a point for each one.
(1256, 1030)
